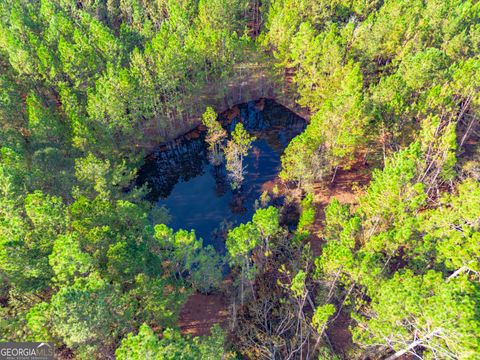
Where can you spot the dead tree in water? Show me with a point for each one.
(237, 148)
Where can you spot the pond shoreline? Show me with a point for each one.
(197, 193)
(196, 125)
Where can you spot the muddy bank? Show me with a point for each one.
(254, 82)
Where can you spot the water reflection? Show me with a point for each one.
(197, 193)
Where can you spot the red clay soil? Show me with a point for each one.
(201, 312)
(339, 335)
(346, 185)
(346, 188)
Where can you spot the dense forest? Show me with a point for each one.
(391, 89)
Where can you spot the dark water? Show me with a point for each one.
(197, 194)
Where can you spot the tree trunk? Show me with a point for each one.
(413, 345)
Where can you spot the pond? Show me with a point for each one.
(197, 194)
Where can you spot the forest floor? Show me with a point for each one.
(201, 312)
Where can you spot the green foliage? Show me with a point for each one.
(334, 94)
(341, 119)
(181, 245)
(188, 259)
(385, 223)
(67, 259)
(452, 229)
(392, 201)
(321, 316)
(242, 139)
(144, 345)
(439, 144)
(307, 214)
(38, 321)
(266, 222)
(85, 89)
(237, 148)
(298, 284)
(437, 314)
(372, 71)
(93, 172)
(386, 247)
(27, 242)
(340, 231)
(206, 274)
(223, 14)
(172, 346)
(303, 160)
(156, 300)
(42, 122)
(87, 314)
(215, 132)
(241, 241)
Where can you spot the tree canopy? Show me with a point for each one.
(391, 90)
